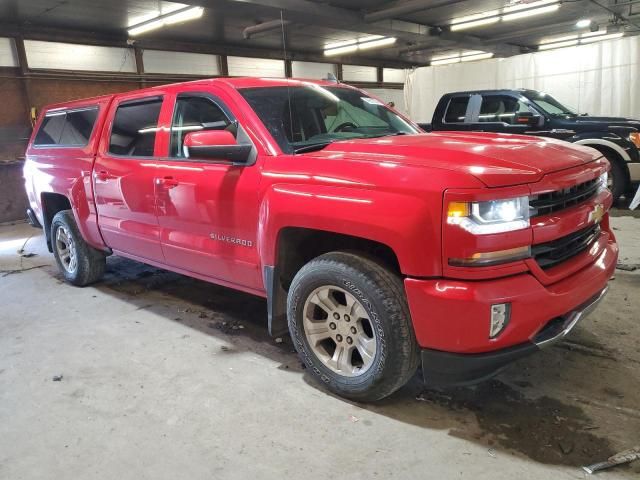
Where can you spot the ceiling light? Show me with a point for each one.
(467, 56)
(598, 38)
(341, 50)
(189, 13)
(529, 13)
(558, 39)
(478, 56)
(348, 46)
(445, 61)
(584, 23)
(377, 43)
(549, 46)
(476, 20)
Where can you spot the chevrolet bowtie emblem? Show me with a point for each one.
(597, 213)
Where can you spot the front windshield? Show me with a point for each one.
(301, 117)
(549, 104)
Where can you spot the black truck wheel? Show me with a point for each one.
(350, 322)
(618, 181)
(79, 263)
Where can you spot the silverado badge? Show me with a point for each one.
(597, 213)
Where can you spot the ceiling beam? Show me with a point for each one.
(403, 7)
(321, 14)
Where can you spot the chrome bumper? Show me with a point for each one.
(557, 330)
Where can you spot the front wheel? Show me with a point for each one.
(79, 263)
(349, 321)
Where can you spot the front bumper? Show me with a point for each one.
(454, 369)
(451, 317)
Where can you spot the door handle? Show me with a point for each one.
(166, 182)
(102, 175)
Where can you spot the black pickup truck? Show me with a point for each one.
(530, 112)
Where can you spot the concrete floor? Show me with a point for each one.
(169, 377)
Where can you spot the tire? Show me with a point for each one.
(79, 263)
(618, 176)
(381, 316)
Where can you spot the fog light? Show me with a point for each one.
(500, 315)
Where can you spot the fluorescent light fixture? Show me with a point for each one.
(512, 12)
(558, 39)
(583, 23)
(475, 20)
(549, 46)
(610, 36)
(479, 56)
(524, 5)
(445, 61)
(377, 43)
(341, 50)
(183, 15)
(346, 43)
(467, 56)
(530, 13)
(348, 46)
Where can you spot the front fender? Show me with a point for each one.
(408, 224)
(623, 147)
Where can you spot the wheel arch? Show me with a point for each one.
(52, 203)
(296, 246)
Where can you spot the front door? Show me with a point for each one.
(124, 175)
(208, 209)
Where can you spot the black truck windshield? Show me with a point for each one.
(309, 117)
(549, 104)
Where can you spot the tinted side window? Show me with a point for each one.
(78, 127)
(50, 130)
(134, 128)
(192, 114)
(500, 108)
(456, 110)
(64, 129)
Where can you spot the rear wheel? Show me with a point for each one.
(79, 263)
(350, 323)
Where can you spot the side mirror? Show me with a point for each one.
(216, 145)
(527, 118)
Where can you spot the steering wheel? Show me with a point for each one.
(344, 125)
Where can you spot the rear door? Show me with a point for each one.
(124, 173)
(207, 209)
(498, 114)
(459, 112)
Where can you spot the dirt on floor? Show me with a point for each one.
(574, 404)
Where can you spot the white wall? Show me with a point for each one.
(602, 78)
(8, 54)
(312, 69)
(160, 61)
(255, 67)
(359, 73)
(69, 56)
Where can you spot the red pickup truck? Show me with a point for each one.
(377, 246)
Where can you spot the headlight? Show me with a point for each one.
(494, 216)
(635, 139)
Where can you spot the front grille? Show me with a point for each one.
(547, 203)
(552, 253)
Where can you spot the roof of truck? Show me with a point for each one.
(233, 82)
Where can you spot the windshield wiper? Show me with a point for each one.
(311, 148)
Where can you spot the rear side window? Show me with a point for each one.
(67, 129)
(456, 110)
(134, 128)
(501, 109)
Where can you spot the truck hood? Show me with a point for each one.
(585, 122)
(497, 160)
